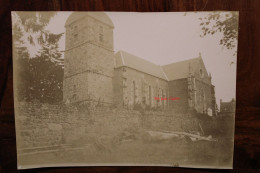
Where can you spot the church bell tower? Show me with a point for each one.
(89, 61)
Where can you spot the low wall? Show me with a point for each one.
(170, 121)
(44, 125)
(40, 125)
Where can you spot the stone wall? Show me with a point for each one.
(38, 125)
(203, 97)
(88, 29)
(170, 121)
(118, 86)
(75, 61)
(88, 75)
(179, 88)
(89, 61)
(101, 66)
(75, 88)
(137, 87)
(42, 125)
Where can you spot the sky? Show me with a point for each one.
(163, 38)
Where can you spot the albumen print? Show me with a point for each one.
(125, 88)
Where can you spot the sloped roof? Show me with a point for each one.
(101, 16)
(179, 70)
(123, 58)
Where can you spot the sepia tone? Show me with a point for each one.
(90, 64)
(246, 158)
(117, 108)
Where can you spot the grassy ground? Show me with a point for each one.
(171, 152)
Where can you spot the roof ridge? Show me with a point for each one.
(164, 73)
(140, 64)
(138, 57)
(183, 61)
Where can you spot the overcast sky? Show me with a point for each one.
(163, 38)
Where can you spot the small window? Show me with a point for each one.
(202, 95)
(201, 73)
(75, 32)
(134, 92)
(150, 95)
(101, 37)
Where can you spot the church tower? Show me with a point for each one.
(89, 61)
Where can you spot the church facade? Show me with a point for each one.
(94, 73)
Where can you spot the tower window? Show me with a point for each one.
(134, 92)
(101, 37)
(75, 32)
(150, 95)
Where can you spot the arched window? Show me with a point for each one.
(163, 96)
(201, 73)
(75, 33)
(201, 95)
(150, 96)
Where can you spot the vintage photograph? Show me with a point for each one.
(125, 88)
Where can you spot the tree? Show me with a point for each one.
(226, 23)
(40, 76)
(29, 26)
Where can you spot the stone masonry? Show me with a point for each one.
(95, 74)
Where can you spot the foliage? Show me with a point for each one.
(29, 27)
(226, 23)
(40, 76)
(40, 79)
(35, 21)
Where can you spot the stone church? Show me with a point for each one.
(94, 73)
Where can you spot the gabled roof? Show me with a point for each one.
(169, 72)
(101, 16)
(123, 58)
(179, 70)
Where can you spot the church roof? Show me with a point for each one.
(179, 70)
(101, 16)
(169, 72)
(123, 58)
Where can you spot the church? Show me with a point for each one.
(94, 73)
